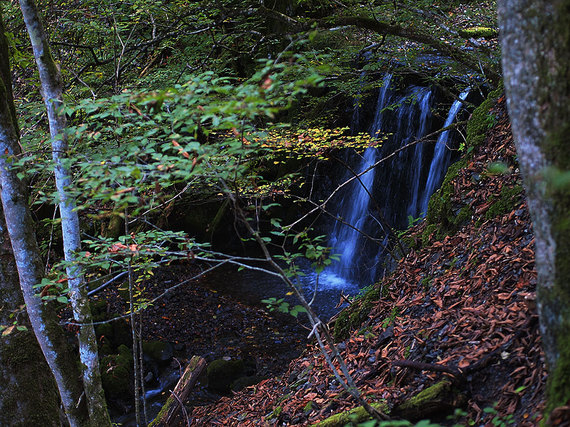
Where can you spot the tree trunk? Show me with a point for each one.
(27, 258)
(52, 91)
(535, 36)
(29, 394)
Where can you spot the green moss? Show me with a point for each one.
(435, 400)
(481, 119)
(440, 204)
(477, 32)
(104, 330)
(115, 228)
(506, 202)
(222, 373)
(275, 413)
(558, 387)
(464, 215)
(29, 392)
(356, 415)
(425, 397)
(157, 350)
(163, 411)
(98, 310)
(353, 316)
(425, 282)
(116, 371)
(341, 326)
(409, 242)
(428, 231)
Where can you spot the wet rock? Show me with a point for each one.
(222, 373)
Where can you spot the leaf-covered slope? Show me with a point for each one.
(460, 308)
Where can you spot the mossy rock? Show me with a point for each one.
(440, 207)
(428, 231)
(478, 32)
(122, 333)
(353, 316)
(99, 310)
(481, 119)
(158, 350)
(116, 372)
(104, 330)
(506, 202)
(222, 373)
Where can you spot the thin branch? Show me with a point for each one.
(321, 206)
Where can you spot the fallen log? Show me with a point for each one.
(175, 401)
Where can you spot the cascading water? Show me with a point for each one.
(387, 195)
(396, 182)
(419, 155)
(400, 178)
(441, 155)
(356, 201)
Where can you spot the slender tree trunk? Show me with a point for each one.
(535, 36)
(52, 91)
(21, 230)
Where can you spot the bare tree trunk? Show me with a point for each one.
(52, 91)
(535, 36)
(29, 394)
(29, 265)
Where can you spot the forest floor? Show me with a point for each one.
(462, 308)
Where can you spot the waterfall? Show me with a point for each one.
(400, 179)
(355, 203)
(441, 155)
(424, 100)
(385, 194)
(396, 189)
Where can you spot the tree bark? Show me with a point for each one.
(21, 230)
(535, 36)
(52, 92)
(29, 394)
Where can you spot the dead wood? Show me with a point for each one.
(173, 404)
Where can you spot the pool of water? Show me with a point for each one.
(253, 286)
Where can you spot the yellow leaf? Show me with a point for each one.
(7, 331)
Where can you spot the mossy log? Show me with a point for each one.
(440, 398)
(168, 413)
(356, 415)
(478, 32)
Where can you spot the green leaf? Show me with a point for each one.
(62, 299)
